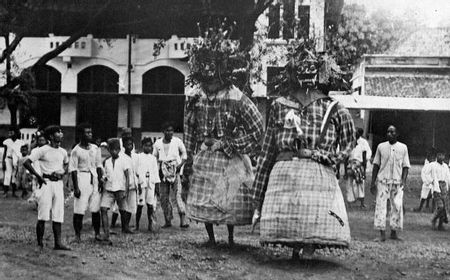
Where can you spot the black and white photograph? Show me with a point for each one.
(224, 139)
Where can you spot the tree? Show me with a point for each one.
(15, 22)
(358, 33)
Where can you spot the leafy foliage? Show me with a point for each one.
(307, 68)
(214, 56)
(358, 33)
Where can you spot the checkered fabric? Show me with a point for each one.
(280, 136)
(229, 116)
(304, 205)
(220, 191)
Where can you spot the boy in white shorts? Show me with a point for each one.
(85, 167)
(148, 176)
(53, 162)
(116, 181)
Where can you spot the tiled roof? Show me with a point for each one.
(419, 86)
(425, 42)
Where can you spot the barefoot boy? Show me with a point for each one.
(148, 176)
(116, 184)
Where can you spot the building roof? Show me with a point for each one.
(425, 42)
(417, 86)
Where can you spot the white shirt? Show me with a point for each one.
(13, 149)
(50, 159)
(85, 160)
(115, 174)
(391, 159)
(440, 172)
(133, 162)
(361, 146)
(36, 165)
(147, 170)
(426, 175)
(177, 150)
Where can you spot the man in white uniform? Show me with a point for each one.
(10, 159)
(85, 167)
(390, 170)
(53, 162)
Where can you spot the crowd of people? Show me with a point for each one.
(208, 176)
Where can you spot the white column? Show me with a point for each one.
(69, 103)
(317, 23)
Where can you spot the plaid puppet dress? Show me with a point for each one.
(300, 198)
(221, 181)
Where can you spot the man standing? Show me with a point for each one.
(356, 168)
(171, 155)
(53, 162)
(390, 170)
(10, 159)
(85, 167)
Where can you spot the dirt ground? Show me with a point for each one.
(181, 254)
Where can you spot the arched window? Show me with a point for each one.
(47, 106)
(94, 106)
(169, 106)
(47, 78)
(98, 78)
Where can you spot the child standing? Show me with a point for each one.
(427, 180)
(441, 180)
(116, 184)
(10, 158)
(131, 205)
(148, 176)
(23, 176)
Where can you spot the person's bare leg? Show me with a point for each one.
(210, 231)
(295, 254)
(105, 224)
(382, 237)
(394, 235)
(230, 235)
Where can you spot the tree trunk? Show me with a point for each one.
(13, 111)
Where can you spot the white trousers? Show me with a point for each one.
(147, 196)
(51, 201)
(10, 172)
(89, 197)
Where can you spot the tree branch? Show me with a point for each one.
(249, 27)
(74, 37)
(54, 53)
(11, 48)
